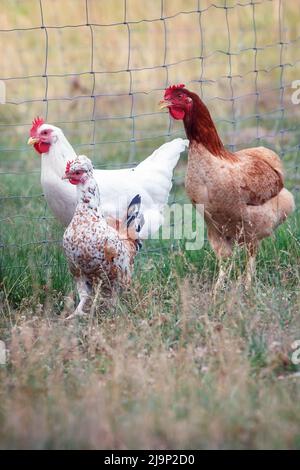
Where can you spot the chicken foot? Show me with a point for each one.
(84, 292)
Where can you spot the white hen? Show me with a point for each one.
(152, 179)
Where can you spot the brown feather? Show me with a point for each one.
(243, 192)
(200, 128)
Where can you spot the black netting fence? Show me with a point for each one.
(97, 69)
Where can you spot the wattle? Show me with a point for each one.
(42, 147)
(74, 181)
(177, 113)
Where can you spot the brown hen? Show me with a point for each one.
(243, 192)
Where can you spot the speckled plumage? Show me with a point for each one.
(96, 251)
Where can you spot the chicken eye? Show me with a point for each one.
(77, 172)
(44, 132)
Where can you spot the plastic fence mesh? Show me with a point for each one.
(97, 69)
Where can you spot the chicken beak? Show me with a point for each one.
(32, 141)
(66, 176)
(164, 104)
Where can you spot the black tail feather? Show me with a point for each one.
(138, 244)
(141, 221)
(133, 210)
(135, 200)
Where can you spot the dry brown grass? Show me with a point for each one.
(69, 53)
(168, 370)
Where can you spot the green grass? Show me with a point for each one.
(32, 255)
(172, 367)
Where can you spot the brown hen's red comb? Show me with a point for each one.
(36, 123)
(68, 166)
(173, 87)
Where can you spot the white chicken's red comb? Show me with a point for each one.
(68, 166)
(36, 123)
(173, 87)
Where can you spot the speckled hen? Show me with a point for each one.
(243, 192)
(100, 253)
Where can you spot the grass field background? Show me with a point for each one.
(173, 367)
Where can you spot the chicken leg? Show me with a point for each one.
(252, 249)
(84, 292)
(223, 249)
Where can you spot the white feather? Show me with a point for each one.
(152, 179)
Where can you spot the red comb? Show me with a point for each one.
(68, 166)
(173, 87)
(36, 123)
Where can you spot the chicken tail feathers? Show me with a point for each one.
(133, 210)
(133, 222)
